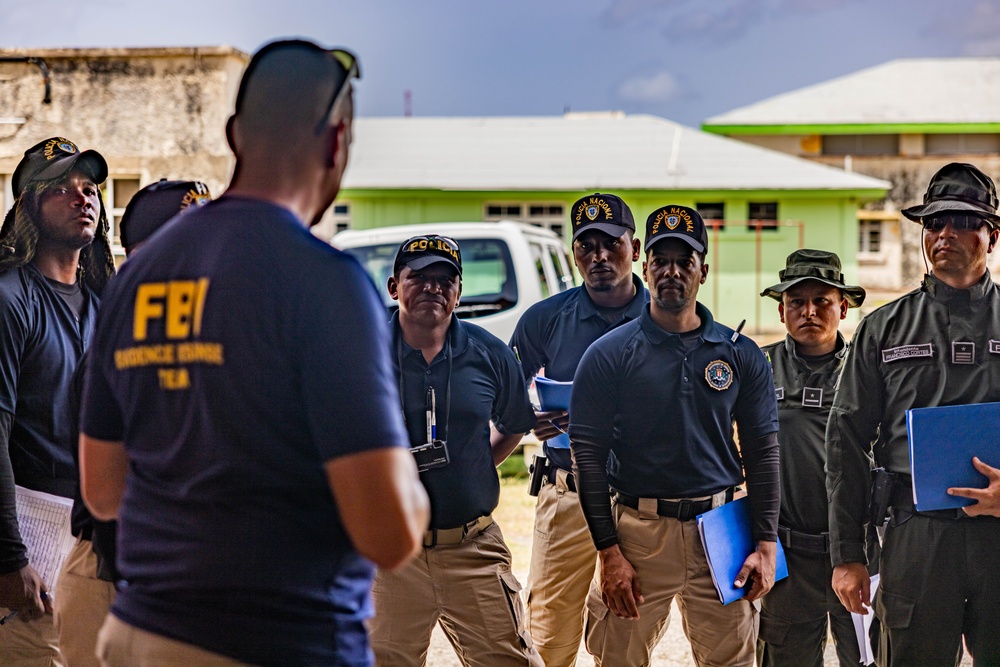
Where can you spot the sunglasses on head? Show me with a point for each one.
(349, 62)
(958, 222)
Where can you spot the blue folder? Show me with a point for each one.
(554, 395)
(943, 441)
(725, 535)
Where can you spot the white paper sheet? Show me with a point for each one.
(44, 521)
(862, 626)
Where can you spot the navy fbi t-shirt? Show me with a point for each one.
(234, 355)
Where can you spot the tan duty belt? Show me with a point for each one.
(437, 537)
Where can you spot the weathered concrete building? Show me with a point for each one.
(901, 122)
(152, 112)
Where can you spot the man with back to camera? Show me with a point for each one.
(936, 345)
(55, 259)
(553, 334)
(652, 415)
(455, 378)
(86, 585)
(240, 379)
(812, 300)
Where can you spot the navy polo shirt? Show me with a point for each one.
(486, 384)
(666, 413)
(235, 355)
(553, 334)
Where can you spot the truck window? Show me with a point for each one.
(488, 282)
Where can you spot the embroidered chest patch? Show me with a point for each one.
(719, 375)
(963, 352)
(994, 346)
(812, 397)
(779, 393)
(907, 352)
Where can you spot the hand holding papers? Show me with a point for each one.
(943, 441)
(554, 397)
(863, 626)
(725, 535)
(44, 522)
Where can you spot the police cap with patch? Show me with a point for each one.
(676, 222)
(420, 252)
(156, 203)
(51, 159)
(603, 212)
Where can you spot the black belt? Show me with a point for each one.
(683, 510)
(902, 501)
(804, 542)
(570, 477)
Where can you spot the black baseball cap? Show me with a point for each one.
(957, 188)
(156, 203)
(604, 212)
(419, 252)
(50, 159)
(676, 222)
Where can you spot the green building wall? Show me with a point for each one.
(740, 266)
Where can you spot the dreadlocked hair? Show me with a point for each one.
(19, 239)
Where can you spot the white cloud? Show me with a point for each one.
(657, 87)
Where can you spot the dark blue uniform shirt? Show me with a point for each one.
(553, 334)
(235, 355)
(485, 384)
(665, 414)
(41, 342)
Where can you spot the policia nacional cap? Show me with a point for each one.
(156, 203)
(420, 252)
(603, 212)
(820, 265)
(676, 222)
(50, 159)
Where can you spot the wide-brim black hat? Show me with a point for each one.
(957, 187)
(818, 265)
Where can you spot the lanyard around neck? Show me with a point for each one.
(447, 387)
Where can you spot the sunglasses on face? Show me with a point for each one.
(958, 222)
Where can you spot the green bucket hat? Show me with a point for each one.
(821, 265)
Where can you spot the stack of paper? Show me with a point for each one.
(725, 535)
(554, 395)
(943, 441)
(44, 521)
(863, 626)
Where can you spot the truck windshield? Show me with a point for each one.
(488, 282)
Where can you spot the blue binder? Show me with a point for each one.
(725, 535)
(943, 441)
(553, 395)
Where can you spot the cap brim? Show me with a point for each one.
(608, 228)
(425, 261)
(684, 237)
(915, 213)
(854, 294)
(90, 162)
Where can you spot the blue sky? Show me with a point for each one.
(681, 59)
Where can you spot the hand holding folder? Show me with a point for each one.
(554, 396)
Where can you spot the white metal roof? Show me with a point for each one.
(573, 152)
(909, 90)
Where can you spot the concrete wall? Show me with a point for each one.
(152, 113)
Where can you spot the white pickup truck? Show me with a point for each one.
(506, 266)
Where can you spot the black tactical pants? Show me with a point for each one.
(940, 581)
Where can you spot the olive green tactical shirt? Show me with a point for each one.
(805, 397)
(934, 346)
